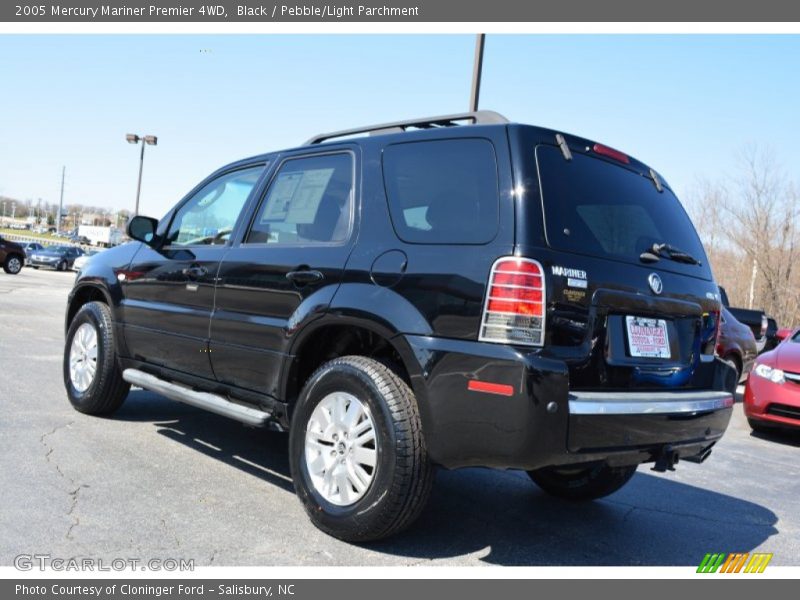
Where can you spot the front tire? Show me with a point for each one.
(62, 266)
(92, 375)
(582, 482)
(358, 457)
(13, 264)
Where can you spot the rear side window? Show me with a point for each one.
(443, 192)
(594, 207)
(309, 201)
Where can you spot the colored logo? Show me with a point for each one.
(736, 562)
(655, 283)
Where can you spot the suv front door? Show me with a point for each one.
(169, 291)
(293, 251)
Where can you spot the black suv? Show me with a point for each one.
(452, 291)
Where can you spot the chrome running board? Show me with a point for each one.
(210, 402)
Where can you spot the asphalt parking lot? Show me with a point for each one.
(164, 480)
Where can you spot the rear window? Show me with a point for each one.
(594, 207)
(443, 191)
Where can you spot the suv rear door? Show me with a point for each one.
(620, 315)
(292, 252)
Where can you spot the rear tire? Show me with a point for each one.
(92, 375)
(582, 482)
(734, 361)
(13, 264)
(390, 495)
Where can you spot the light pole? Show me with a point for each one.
(61, 200)
(132, 138)
(477, 71)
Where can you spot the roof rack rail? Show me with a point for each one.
(481, 117)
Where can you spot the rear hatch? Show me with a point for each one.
(631, 301)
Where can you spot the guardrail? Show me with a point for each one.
(26, 239)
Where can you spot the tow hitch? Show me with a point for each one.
(666, 460)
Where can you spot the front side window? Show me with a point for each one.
(208, 217)
(309, 201)
(443, 191)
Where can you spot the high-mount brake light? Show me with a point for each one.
(514, 311)
(611, 153)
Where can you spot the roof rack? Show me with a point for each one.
(481, 117)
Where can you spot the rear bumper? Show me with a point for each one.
(537, 421)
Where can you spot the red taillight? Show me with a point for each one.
(534, 281)
(611, 153)
(515, 303)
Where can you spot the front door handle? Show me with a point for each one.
(307, 276)
(194, 272)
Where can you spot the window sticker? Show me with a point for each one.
(281, 197)
(308, 195)
(296, 195)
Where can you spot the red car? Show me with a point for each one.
(772, 393)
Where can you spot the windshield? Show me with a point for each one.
(594, 207)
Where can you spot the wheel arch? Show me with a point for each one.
(337, 335)
(84, 294)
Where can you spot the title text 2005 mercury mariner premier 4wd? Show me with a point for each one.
(450, 291)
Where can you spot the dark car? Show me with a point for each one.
(12, 256)
(756, 320)
(59, 258)
(736, 344)
(29, 249)
(456, 291)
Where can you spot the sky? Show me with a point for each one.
(685, 104)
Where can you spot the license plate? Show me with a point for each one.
(648, 337)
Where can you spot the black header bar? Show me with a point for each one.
(409, 11)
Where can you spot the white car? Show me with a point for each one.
(80, 262)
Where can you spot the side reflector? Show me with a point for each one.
(500, 389)
(611, 153)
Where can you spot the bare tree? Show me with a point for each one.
(750, 226)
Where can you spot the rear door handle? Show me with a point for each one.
(194, 272)
(307, 276)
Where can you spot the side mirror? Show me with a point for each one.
(143, 229)
(783, 333)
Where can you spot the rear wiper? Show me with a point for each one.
(658, 251)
